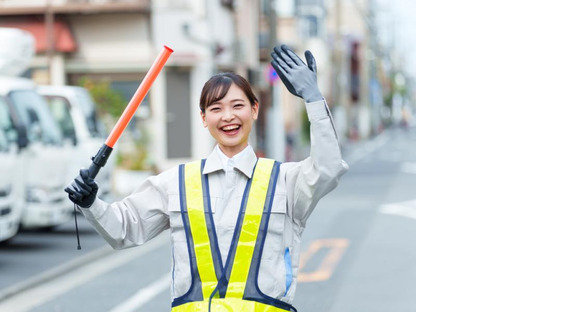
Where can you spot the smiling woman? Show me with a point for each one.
(228, 110)
(236, 220)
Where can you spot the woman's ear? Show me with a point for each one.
(202, 114)
(255, 109)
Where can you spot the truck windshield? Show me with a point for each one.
(34, 112)
(6, 126)
(3, 142)
(96, 128)
(60, 109)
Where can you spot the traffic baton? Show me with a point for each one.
(100, 159)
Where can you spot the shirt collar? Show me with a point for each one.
(224, 159)
(244, 161)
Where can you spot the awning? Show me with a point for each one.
(63, 39)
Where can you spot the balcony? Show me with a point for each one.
(29, 7)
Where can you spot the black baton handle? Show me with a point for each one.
(99, 160)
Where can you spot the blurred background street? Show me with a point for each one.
(69, 67)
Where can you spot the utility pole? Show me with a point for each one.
(340, 88)
(343, 112)
(275, 137)
(338, 53)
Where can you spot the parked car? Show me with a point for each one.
(75, 113)
(46, 157)
(11, 177)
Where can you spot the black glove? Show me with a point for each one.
(298, 78)
(83, 190)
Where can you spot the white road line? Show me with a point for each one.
(404, 209)
(36, 296)
(144, 295)
(368, 148)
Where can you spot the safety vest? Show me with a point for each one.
(232, 287)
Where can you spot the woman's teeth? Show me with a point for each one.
(229, 128)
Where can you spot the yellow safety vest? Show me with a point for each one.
(232, 287)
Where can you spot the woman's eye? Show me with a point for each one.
(215, 109)
(239, 105)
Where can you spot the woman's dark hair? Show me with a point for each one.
(218, 86)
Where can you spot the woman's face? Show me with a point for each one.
(230, 120)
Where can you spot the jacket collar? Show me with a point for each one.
(245, 164)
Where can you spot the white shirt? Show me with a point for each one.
(155, 207)
(228, 184)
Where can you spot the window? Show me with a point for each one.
(312, 25)
(34, 113)
(94, 125)
(6, 125)
(60, 109)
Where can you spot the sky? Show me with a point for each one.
(396, 19)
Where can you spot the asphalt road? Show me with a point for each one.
(358, 250)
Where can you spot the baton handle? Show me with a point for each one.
(99, 160)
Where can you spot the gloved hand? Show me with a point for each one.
(298, 78)
(83, 190)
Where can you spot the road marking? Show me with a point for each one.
(404, 209)
(326, 268)
(144, 295)
(368, 148)
(54, 272)
(36, 296)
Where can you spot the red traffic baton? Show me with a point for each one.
(100, 159)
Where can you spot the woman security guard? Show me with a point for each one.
(236, 220)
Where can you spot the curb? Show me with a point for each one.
(45, 276)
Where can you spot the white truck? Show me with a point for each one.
(44, 154)
(11, 179)
(44, 160)
(75, 112)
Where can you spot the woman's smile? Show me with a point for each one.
(230, 119)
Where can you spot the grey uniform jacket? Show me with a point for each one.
(154, 207)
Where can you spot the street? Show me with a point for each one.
(358, 249)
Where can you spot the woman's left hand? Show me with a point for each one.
(298, 78)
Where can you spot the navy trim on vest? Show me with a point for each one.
(211, 230)
(194, 293)
(224, 280)
(252, 291)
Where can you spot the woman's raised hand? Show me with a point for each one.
(299, 78)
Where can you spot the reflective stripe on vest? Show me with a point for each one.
(233, 287)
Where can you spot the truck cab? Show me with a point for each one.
(75, 113)
(11, 179)
(44, 159)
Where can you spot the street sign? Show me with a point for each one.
(272, 75)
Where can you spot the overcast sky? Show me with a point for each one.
(397, 20)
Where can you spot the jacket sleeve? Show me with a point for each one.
(135, 219)
(318, 174)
